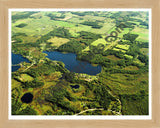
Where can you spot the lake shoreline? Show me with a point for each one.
(76, 65)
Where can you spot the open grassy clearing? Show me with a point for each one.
(46, 108)
(93, 18)
(63, 24)
(28, 39)
(142, 26)
(36, 15)
(57, 41)
(106, 27)
(39, 26)
(27, 32)
(27, 20)
(57, 13)
(117, 49)
(122, 32)
(139, 18)
(74, 30)
(139, 62)
(15, 12)
(123, 47)
(113, 57)
(49, 83)
(15, 83)
(111, 29)
(137, 23)
(145, 51)
(142, 32)
(68, 14)
(81, 27)
(74, 33)
(125, 31)
(76, 20)
(106, 44)
(26, 77)
(86, 49)
(128, 56)
(66, 18)
(131, 68)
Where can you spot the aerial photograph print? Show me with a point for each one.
(79, 62)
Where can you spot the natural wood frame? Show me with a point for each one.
(4, 75)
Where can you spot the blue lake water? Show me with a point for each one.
(16, 59)
(73, 65)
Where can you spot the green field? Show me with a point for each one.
(138, 62)
(123, 47)
(106, 27)
(39, 26)
(128, 56)
(143, 34)
(113, 57)
(117, 49)
(145, 51)
(131, 68)
(57, 41)
(100, 41)
(25, 77)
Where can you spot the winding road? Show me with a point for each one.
(93, 109)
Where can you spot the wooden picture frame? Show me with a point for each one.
(5, 5)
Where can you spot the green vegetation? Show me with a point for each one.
(26, 77)
(21, 25)
(21, 15)
(130, 37)
(136, 103)
(57, 41)
(124, 47)
(100, 41)
(121, 88)
(93, 24)
(72, 46)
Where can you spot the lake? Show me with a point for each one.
(73, 65)
(16, 59)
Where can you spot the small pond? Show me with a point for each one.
(75, 86)
(27, 98)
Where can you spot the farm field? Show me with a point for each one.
(124, 47)
(143, 34)
(58, 41)
(80, 63)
